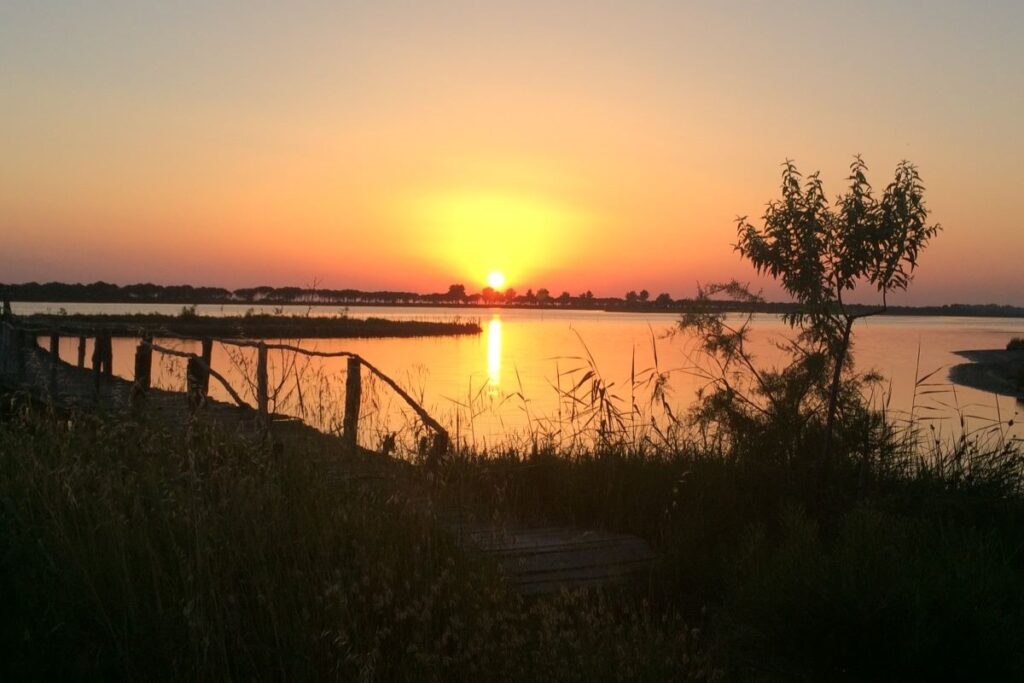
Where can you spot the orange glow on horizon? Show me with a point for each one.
(396, 146)
(509, 237)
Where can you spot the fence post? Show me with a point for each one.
(54, 362)
(81, 352)
(261, 381)
(143, 372)
(353, 394)
(19, 354)
(194, 372)
(11, 351)
(438, 449)
(207, 355)
(97, 362)
(108, 356)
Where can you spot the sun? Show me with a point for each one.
(495, 279)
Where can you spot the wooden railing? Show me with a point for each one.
(17, 338)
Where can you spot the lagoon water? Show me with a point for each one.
(507, 379)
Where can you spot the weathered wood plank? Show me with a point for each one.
(353, 397)
(207, 356)
(262, 397)
(540, 560)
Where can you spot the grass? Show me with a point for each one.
(128, 551)
(135, 552)
(898, 574)
(903, 560)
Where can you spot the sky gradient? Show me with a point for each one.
(575, 145)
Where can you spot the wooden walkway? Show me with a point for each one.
(536, 560)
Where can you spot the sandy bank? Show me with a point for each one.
(994, 370)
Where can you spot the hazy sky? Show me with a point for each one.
(572, 145)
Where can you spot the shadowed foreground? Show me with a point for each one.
(550, 560)
(137, 547)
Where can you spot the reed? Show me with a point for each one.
(903, 562)
(135, 552)
(130, 552)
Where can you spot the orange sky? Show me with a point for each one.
(598, 145)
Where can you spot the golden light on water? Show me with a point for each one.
(494, 355)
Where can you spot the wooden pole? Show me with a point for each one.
(81, 352)
(194, 372)
(207, 355)
(353, 395)
(97, 362)
(438, 450)
(54, 361)
(12, 350)
(143, 373)
(108, 354)
(262, 399)
(19, 354)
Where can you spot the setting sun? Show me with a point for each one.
(495, 280)
(509, 235)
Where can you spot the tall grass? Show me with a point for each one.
(905, 561)
(128, 551)
(133, 552)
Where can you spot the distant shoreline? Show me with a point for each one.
(676, 308)
(457, 296)
(250, 326)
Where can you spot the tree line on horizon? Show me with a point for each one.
(456, 295)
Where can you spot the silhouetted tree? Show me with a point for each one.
(565, 298)
(510, 295)
(663, 300)
(457, 293)
(644, 295)
(820, 253)
(543, 296)
(631, 296)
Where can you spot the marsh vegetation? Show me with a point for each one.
(802, 531)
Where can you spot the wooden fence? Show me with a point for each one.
(18, 339)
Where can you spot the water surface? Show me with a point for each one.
(510, 377)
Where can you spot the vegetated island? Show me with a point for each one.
(258, 326)
(997, 371)
(456, 296)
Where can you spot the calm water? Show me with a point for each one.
(505, 379)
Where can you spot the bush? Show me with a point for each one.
(903, 561)
(1015, 344)
(883, 595)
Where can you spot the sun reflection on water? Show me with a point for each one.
(494, 356)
